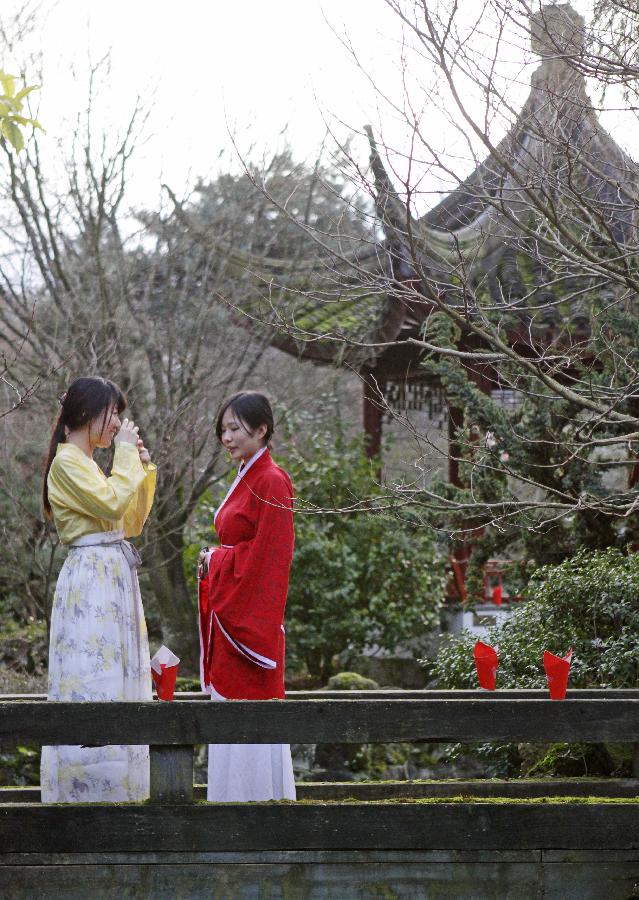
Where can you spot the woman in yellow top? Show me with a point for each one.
(99, 648)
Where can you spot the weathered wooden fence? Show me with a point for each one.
(409, 839)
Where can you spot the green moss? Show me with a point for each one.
(468, 800)
(487, 801)
(572, 760)
(484, 781)
(348, 314)
(351, 681)
(352, 312)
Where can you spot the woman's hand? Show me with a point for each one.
(128, 433)
(203, 560)
(203, 555)
(145, 456)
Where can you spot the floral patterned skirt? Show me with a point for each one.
(99, 650)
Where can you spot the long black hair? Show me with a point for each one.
(84, 400)
(252, 409)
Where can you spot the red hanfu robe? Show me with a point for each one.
(243, 595)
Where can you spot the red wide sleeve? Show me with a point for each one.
(248, 587)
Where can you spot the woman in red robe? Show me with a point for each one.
(242, 595)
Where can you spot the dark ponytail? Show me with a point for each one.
(83, 402)
(58, 437)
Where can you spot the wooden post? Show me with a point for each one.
(455, 421)
(459, 555)
(372, 413)
(462, 548)
(171, 773)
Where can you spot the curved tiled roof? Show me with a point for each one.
(326, 307)
(556, 148)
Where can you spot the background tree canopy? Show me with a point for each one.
(140, 306)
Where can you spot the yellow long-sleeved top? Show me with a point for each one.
(85, 501)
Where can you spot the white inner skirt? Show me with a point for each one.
(245, 772)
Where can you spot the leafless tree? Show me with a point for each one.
(521, 282)
(89, 287)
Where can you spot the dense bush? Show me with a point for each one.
(358, 578)
(589, 602)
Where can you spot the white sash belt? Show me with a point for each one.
(110, 539)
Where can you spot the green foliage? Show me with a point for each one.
(589, 602)
(189, 685)
(536, 450)
(358, 578)
(20, 766)
(11, 104)
(574, 760)
(497, 760)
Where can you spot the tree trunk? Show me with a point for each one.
(178, 609)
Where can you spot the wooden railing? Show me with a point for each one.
(174, 820)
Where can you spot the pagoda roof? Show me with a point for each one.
(557, 147)
(335, 306)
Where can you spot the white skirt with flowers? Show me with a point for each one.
(99, 651)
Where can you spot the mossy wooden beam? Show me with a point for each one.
(481, 788)
(401, 694)
(311, 721)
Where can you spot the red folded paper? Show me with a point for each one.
(486, 661)
(557, 669)
(164, 669)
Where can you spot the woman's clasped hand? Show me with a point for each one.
(129, 433)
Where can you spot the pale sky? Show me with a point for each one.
(204, 67)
